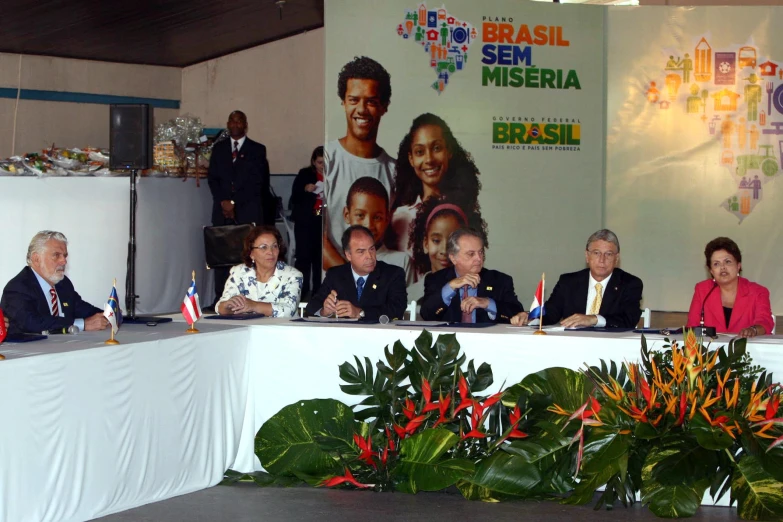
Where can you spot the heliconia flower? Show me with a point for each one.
(515, 416)
(409, 408)
(463, 387)
(645, 389)
(615, 392)
(426, 392)
(348, 477)
(691, 345)
(414, 424)
(443, 407)
(772, 407)
(474, 434)
(683, 409)
(390, 439)
(400, 431)
(733, 396)
(385, 455)
(365, 446)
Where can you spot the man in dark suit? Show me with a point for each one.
(238, 178)
(363, 288)
(467, 292)
(601, 295)
(41, 298)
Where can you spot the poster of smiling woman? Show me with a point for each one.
(442, 116)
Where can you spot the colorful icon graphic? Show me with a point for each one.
(446, 40)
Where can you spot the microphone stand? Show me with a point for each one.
(701, 330)
(130, 275)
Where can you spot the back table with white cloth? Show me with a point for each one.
(93, 213)
(91, 429)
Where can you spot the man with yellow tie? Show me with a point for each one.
(601, 295)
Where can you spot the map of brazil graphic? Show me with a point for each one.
(443, 38)
(737, 93)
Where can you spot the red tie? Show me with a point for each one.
(467, 317)
(235, 152)
(55, 308)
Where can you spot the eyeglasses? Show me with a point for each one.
(597, 254)
(265, 248)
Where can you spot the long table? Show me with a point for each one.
(91, 429)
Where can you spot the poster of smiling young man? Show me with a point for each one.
(453, 114)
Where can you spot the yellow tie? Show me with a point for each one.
(596, 306)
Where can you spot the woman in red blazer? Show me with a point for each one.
(731, 303)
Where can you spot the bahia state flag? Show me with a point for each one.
(537, 308)
(191, 309)
(111, 310)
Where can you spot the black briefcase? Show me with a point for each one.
(223, 244)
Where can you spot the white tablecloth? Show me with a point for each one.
(93, 213)
(89, 429)
(294, 361)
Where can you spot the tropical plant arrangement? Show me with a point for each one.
(682, 421)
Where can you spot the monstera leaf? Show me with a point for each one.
(502, 476)
(759, 496)
(292, 441)
(562, 386)
(421, 466)
(673, 481)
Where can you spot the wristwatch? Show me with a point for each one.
(361, 314)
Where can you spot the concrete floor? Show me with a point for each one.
(247, 502)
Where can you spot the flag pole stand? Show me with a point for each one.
(540, 330)
(192, 329)
(112, 340)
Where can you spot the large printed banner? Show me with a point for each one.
(695, 142)
(441, 115)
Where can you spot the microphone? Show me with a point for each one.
(73, 329)
(701, 330)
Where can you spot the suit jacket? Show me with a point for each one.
(495, 285)
(245, 181)
(303, 202)
(619, 305)
(384, 291)
(751, 306)
(27, 308)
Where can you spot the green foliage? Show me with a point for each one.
(681, 422)
(422, 465)
(299, 438)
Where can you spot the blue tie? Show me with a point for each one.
(359, 287)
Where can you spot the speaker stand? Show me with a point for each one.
(130, 275)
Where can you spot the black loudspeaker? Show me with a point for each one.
(130, 144)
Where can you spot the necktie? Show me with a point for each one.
(467, 317)
(55, 308)
(596, 306)
(235, 152)
(359, 287)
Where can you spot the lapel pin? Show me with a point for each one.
(374, 286)
(65, 304)
(489, 288)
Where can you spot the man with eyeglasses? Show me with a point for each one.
(601, 295)
(364, 288)
(467, 292)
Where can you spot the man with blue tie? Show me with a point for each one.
(41, 297)
(467, 292)
(364, 288)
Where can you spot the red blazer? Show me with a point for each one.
(751, 306)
